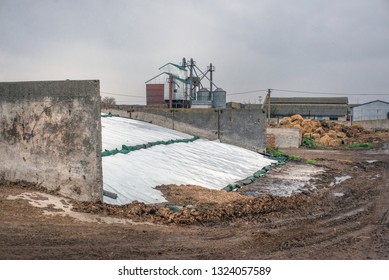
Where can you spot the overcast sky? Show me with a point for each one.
(336, 46)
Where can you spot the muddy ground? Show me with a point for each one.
(339, 212)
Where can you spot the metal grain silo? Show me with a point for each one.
(203, 95)
(219, 98)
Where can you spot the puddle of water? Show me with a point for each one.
(383, 150)
(371, 161)
(348, 214)
(338, 194)
(287, 181)
(339, 180)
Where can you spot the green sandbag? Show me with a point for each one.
(137, 147)
(231, 187)
(247, 182)
(106, 153)
(173, 208)
(267, 167)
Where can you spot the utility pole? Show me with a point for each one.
(211, 70)
(186, 101)
(268, 105)
(191, 92)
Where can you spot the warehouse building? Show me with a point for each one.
(329, 108)
(374, 110)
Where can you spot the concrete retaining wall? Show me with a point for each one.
(284, 137)
(50, 136)
(240, 127)
(243, 127)
(374, 124)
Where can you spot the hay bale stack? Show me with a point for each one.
(325, 133)
(285, 121)
(297, 119)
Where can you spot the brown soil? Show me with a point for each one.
(348, 220)
(185, 195)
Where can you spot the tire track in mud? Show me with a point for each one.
(315, 234)
(379, 245)
(345, 228)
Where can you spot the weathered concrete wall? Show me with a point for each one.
(374, 124)
(243, 127)
(284, 137)
(240, 127)
(200, 122)
(50, 135)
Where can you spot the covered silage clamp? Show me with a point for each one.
(175, 158)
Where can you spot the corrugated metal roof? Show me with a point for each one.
(175, 65)
(308, 110)
(356, 105)
(309, 100)
(174, 76)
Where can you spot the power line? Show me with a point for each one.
(273, 89)
(246, 92)
(327, 93)
(111, 93)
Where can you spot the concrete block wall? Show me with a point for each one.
(374, 124)
(50, 136)
(284, 137)
(241, 127)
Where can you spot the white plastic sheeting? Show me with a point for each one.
(135, 175)
(118, 131)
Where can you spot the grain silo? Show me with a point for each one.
(219, 98)
(202, 100)
(185, 85)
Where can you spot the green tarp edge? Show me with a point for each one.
(258, 174)
(127, 149)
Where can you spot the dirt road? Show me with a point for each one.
(343, 215)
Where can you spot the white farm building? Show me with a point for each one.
(374, 110)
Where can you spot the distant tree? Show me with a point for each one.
(108, 101)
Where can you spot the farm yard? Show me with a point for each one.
(332, 203)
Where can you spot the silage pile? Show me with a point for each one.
(139, 156)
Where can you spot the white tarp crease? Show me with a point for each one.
(120, 131)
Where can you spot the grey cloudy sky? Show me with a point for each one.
(337, 46)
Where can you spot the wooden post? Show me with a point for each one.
(268, 107)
